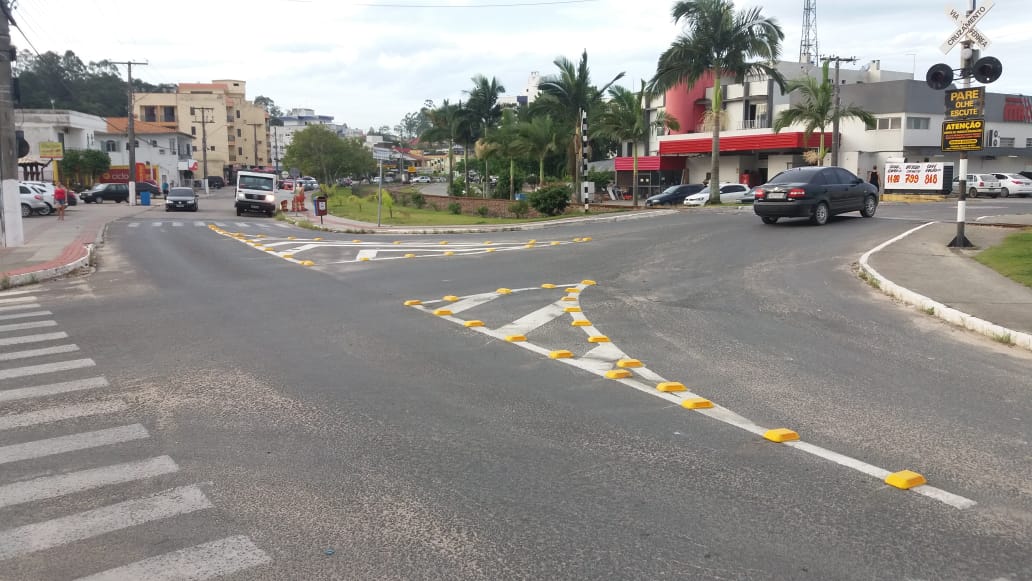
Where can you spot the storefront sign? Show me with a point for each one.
(963, 135)
(51, 150)
(1017, 109)
(965, 103)
(925, 177)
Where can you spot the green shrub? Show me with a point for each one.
(519, 209)
(457, 188)
(532, 179)
(483, 211)
(455, 208)
(550, 201)
(418, 201)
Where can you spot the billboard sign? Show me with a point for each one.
(963, 135)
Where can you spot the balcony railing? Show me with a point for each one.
(761, 123)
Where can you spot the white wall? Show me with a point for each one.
(163, 155)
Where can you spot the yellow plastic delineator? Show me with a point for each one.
(307, 263)
(628, 363)
(410, 255)
(671, 386)
(413, 303)
(515, 338)
(696, 403)
(571, 309)
(561, 354)
(905, 479)
(781, 435)
(504, 291)
(442, 312)
(618, 374)
(598, 339)
(581, 323)
(450, 298)
(473, 323)
(449, 253)
(548, 285)
(569, 299)
(587, 282)
(572, 290)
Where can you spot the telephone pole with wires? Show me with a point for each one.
(204, 140)
(835, 137)
(11, 233)
(132, 132)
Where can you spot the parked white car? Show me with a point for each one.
(978, 184)
(43, 188)
(32, 202)
(1013, 183)
(729, 194)
(421, 179)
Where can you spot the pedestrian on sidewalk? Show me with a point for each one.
(164, 187)
(874, 179)
(61, 199)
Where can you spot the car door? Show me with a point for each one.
(854, 190)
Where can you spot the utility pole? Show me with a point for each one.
(275, 151)
(255, 127)
(11, 234)
(204, 143)
(835, 137)
(132, 132)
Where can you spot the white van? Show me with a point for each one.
(255, 192)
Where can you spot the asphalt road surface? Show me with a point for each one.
(208, 404)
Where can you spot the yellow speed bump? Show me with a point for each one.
(504, 291)
(598, 339)
(473, 323)
(696, 403)
(307, 263)
(671, 386)
(548, 285)
(627, 363)
(781, 435)
(587, 282)
(450, 298)
(571, 309)
(581, 323)
(413, 303)
(905, 479)
(618, 374)
(515, 338)
(442, 312)
(561, 354)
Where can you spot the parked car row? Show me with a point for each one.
(995, 185)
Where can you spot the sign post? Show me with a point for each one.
(380, 156)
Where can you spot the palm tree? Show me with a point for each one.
(504, 143)
(625, 118)
(443, 127)
(817, 110)
(483, 105)
(537, 138)
(567, 93)
(721, 41)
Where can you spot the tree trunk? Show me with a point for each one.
(451, 163)
(820, 149)
(512, 175)
(634, 172)
(714, 183)
(541, 170)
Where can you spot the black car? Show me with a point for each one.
(816, 193)
(216, 182)
(101, 193)
(674, 195)
(181, 199)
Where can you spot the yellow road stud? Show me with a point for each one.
(291, 237)
(576, 239)
(450, 298)
(671, 386)
(490, 250)
(364, 259)
(587, 282)
(905, 479)
(515, 338)
(504, 291)
(443, 242)
(531, 241)
(287, 255)
(260, 236)
(581, 323)
(561, 354)
(571, 309)
(586, 239)
(618, 374)
(442, 312)
(627, 363)
(473, 323)
(396, 242)
(412, 303)
(488, 243)
(410, 255)
(696, 403)
(598, 339)
(307, 263)
(548, 285)
(554, 243)
(569, 299)
(449, 253)
(317, 239)
(357, 241)
(572, 290)
(781, 435)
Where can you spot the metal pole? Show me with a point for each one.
(131, 131)
(204, 149)
(10, 234)
(379, 195)
(835, 120)
(960, 240)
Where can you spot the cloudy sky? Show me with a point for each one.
(369, 62)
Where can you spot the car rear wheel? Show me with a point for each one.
(870, 206)
(1004, 193)
(45, 210)
(820, 214)
(769, 219)
(98, 199)
(26, 211)
(973, 193)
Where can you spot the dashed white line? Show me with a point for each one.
(207, 561)
(46, 487)
(71, 443)
(53, 389)
(38, 352)
(45, 368)
(56, 414)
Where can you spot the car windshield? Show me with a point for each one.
(181, 192)
(256, 183)
(1014, 176)
(792, 176)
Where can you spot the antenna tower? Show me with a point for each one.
(808, 41)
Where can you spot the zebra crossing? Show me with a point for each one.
(206, 224)
(36, 395)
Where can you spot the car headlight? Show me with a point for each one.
(270, 198)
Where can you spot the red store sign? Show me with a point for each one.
(1017, 109)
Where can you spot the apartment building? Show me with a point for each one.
(298, 120)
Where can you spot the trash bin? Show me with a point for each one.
(145, 198)
(520, 196)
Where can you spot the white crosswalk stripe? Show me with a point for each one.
(198, 223)
(24, 307)
(207, 561)
(38, 338)
(23, 326)
(61, 531)
(134, 224)
(71, 443)
(45, 368)
(57, 485)
(56, 414)
(52, 389)
(25, 315)
(38, 352)
(11, 293)
(12, 300)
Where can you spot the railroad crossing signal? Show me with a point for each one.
(966, 27)
(985, 70)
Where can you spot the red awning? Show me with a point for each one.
(766, 141)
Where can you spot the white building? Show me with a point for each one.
(162, 153)
(525, 97)
(74, 130)
(298, 120)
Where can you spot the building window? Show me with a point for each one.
(238, 131)
(150, 114)
(238, 113)
(890, 123)
(1006, 142)
(110, 145)
(240, 150)
(1028, 142)
(918, 122)
(168, 114)
(195, 147)
(193, 130)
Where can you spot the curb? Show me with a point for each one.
(948, 314)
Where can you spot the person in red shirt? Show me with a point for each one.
(61, 200)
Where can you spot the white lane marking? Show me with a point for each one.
(20, 307)
(285, 226)
(12, 300)
(24, 315)
(134, 224)
(176, 224)
(220, 224)
(44, 535)
(368, 254)
(56, 414)
(11, 293)
(238, 224)
(207, 561)
(472, 301)
(71, 443)
(46, 487)
(53, 389)
(22, 326)
(38, 352)
(156, 224)
(198, 223)
(5, 341)
(532, 321)
(45, 368)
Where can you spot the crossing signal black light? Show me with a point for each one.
(939, 76)
(22, 145)
(987, 69)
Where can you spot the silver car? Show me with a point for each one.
(32, 202)
(979, 184)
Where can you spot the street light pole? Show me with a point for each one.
(132, 133)
(379, 195)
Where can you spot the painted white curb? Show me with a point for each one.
(948, 314)
(49, 273)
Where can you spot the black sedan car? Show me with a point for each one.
(674, 195)
(181, 199)
(814, 192)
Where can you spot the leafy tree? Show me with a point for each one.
(537, 138)
(483, 104)
(318, 151)
(550, 201)
(504, 144)
(625, 118)
(718, 40)
(443, 128)
(94, 163)
(817, 111)
(271, 108)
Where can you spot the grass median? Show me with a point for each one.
(1011, 258)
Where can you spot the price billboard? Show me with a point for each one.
(918, 177)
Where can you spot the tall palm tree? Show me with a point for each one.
(568, 92)
(537, 138)
(816, 110)
(443, 128)
(504, 143)
(625, 118)
(483, 105)
(720, 41)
